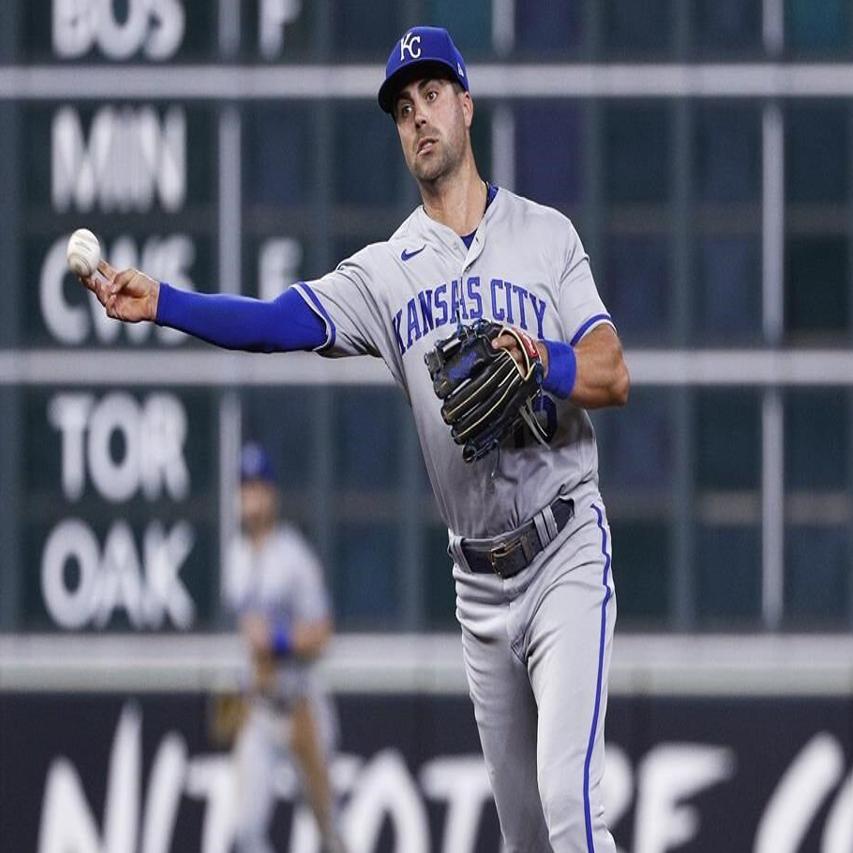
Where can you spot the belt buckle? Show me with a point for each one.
(500, 552)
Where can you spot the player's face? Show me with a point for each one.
(258, 505)
(433, 117)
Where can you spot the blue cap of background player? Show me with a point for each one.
(255, 464)
(420, 47)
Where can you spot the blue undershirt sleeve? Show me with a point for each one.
(283, 324)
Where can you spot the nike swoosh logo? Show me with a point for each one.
(406, 256)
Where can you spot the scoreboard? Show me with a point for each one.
(117, 495)
(236, 145)
(117, 502)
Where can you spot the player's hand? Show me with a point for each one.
(509, 343)
(129, 295)
(256, 630)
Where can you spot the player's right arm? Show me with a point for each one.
(284, 324)
(129, 295)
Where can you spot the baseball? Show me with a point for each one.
(83, 252)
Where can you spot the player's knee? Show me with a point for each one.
(564, 806)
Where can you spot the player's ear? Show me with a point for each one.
(467, 108)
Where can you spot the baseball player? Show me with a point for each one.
(528, 530)
(273, 582)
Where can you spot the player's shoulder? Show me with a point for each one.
(236, 576)
(361, 263)
(290, 539)
(373, 257)
(548, 227)
(238, 552)
(408, 228)
(288, 534)
(535, 213)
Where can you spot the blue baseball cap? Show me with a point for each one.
(255, 464)
(419, 47)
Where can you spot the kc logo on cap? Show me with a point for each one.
(427, 49)
(407, 45)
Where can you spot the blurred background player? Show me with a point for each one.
(273, 582)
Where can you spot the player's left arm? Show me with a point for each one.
(587, 366)
(311, 638)
(601, 376)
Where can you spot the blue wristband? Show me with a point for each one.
(562, 369)
(281, 643)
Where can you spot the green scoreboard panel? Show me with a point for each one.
(117, 489)
(119, 508)
(236, 145)
(112, 493)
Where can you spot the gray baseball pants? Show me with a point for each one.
(263, 744)
(537, 654)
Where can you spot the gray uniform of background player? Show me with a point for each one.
(283, 580)
(536, 646)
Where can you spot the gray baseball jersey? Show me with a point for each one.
(283, 580)
(537, 645)
(526, 267)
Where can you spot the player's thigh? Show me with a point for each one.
(326, 719)
(306, 739)
(570, 640)
(505, 711)
(256, 754)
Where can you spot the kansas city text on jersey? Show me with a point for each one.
(505, 302)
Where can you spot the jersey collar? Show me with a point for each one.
(433, 229)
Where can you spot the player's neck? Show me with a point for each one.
(259, 534)
(458, 200)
